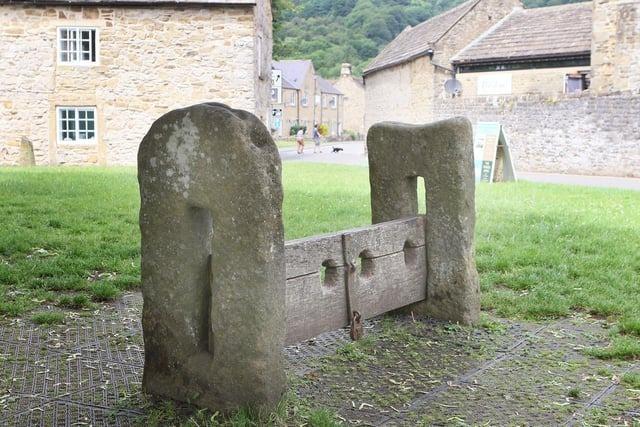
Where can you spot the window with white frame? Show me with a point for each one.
(333, 101)
(76, 124)
(305, 100)
(77, 45)
(292, 98)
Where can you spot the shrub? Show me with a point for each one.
(351, 135)
(323, 129)
(295, 128)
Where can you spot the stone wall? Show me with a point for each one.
(150, 60)
(401, 93)
(353, 101)
(479, 19)
(571, 134)
(615, 49)
(541, 81)
(263, 54)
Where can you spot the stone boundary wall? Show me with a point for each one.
(576, 135)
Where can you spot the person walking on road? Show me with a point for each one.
(316, 139)
(300, 140)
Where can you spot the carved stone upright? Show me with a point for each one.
(212, 259)
(441, 153)
(27, 158)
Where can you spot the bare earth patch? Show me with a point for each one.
(88, 371)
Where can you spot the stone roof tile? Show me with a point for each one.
(130, 2)
(413, 42)
(546, 32)
(294, 71)
(326, 87)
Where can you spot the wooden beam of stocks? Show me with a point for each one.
(392, 273)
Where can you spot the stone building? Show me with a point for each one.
(543, 51)
(353, 90)
(615, 55)
(303, 98)
(401, 81)
(563, 80)
(84, 80)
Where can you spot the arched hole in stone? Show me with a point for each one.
(329, 275)
(410, 253)
(365, 265)
(200, 238)
(416, 195)
(422, 191)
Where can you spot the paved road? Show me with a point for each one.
(353, 154)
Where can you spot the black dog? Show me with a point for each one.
(337, 149)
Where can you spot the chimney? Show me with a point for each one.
(346, 70)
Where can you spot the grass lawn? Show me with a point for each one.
(69, 237)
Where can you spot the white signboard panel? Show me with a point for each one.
(495, 84)
(276, 86)
(491, 152)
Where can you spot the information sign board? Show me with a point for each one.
(276, 86)
(491, 153)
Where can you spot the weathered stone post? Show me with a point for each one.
(213, 270)
(442, 153)
(27, 158)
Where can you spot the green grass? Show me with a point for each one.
(621, 347)
(291, 410)
(542, 251)
(632, 379)
(75, 302)
(48, 318)
(574, 393)
(104, 292)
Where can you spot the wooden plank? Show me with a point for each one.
(391, 285)
(391, 276)
(385, 238)
(305, 256)
(313, 307)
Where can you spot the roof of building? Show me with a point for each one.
(325, 86)
(286, 84)
(416, 41)
(358, 80)
(546, 32)
(131, 2)
(294, 71)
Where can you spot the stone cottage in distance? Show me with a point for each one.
(83, 80)
(563, 80)
(401, 80)
(303, 98)
(352, 88)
